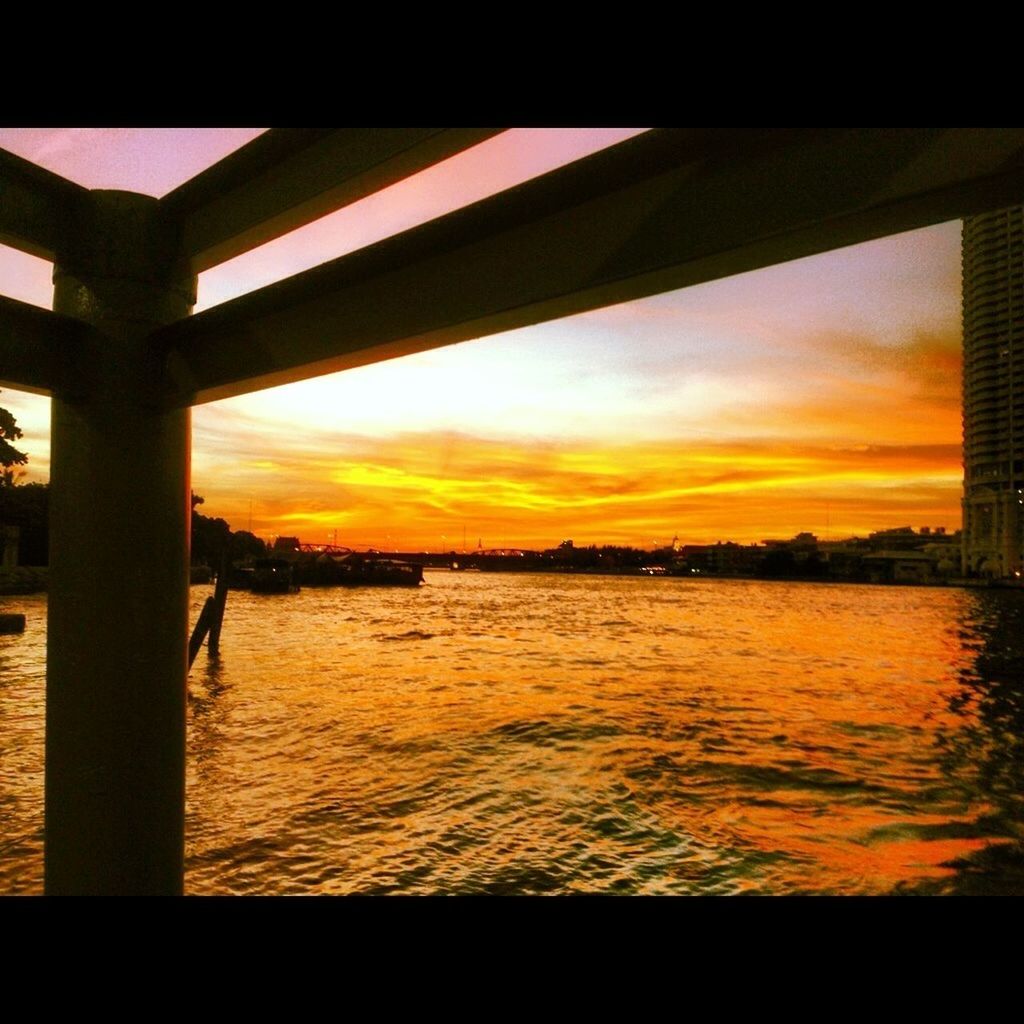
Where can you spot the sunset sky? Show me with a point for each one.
(821, 394)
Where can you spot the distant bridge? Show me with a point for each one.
(320, 549)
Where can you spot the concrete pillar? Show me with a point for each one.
(118, 589)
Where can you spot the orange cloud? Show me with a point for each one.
(412, 490)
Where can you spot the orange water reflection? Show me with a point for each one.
(530, 733)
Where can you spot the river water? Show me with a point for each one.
(528, 733)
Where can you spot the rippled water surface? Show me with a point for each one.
(542, 734)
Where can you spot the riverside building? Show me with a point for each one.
(993, 393)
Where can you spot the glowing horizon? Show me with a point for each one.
(821, 394)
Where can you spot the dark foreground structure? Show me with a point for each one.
(124, 361)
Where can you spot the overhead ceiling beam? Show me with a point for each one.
(289, 177)
(34, 206)
(661, 211)
(40, 351)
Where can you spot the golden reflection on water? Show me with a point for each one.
(536, 733)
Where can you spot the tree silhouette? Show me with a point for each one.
(212, 536)
(9, 455)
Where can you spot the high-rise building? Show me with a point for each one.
(993, 399)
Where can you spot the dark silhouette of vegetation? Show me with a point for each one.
(9, 455)
(606, 557)
(211, 536)
(27, 506)
(246, 545)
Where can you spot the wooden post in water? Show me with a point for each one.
(220, 598)
(201, 629)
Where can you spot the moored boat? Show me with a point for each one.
(272, 576)
(352, 569)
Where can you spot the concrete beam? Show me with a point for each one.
(289, 177)
(40, 351)
(661, 211)
(34, 206)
